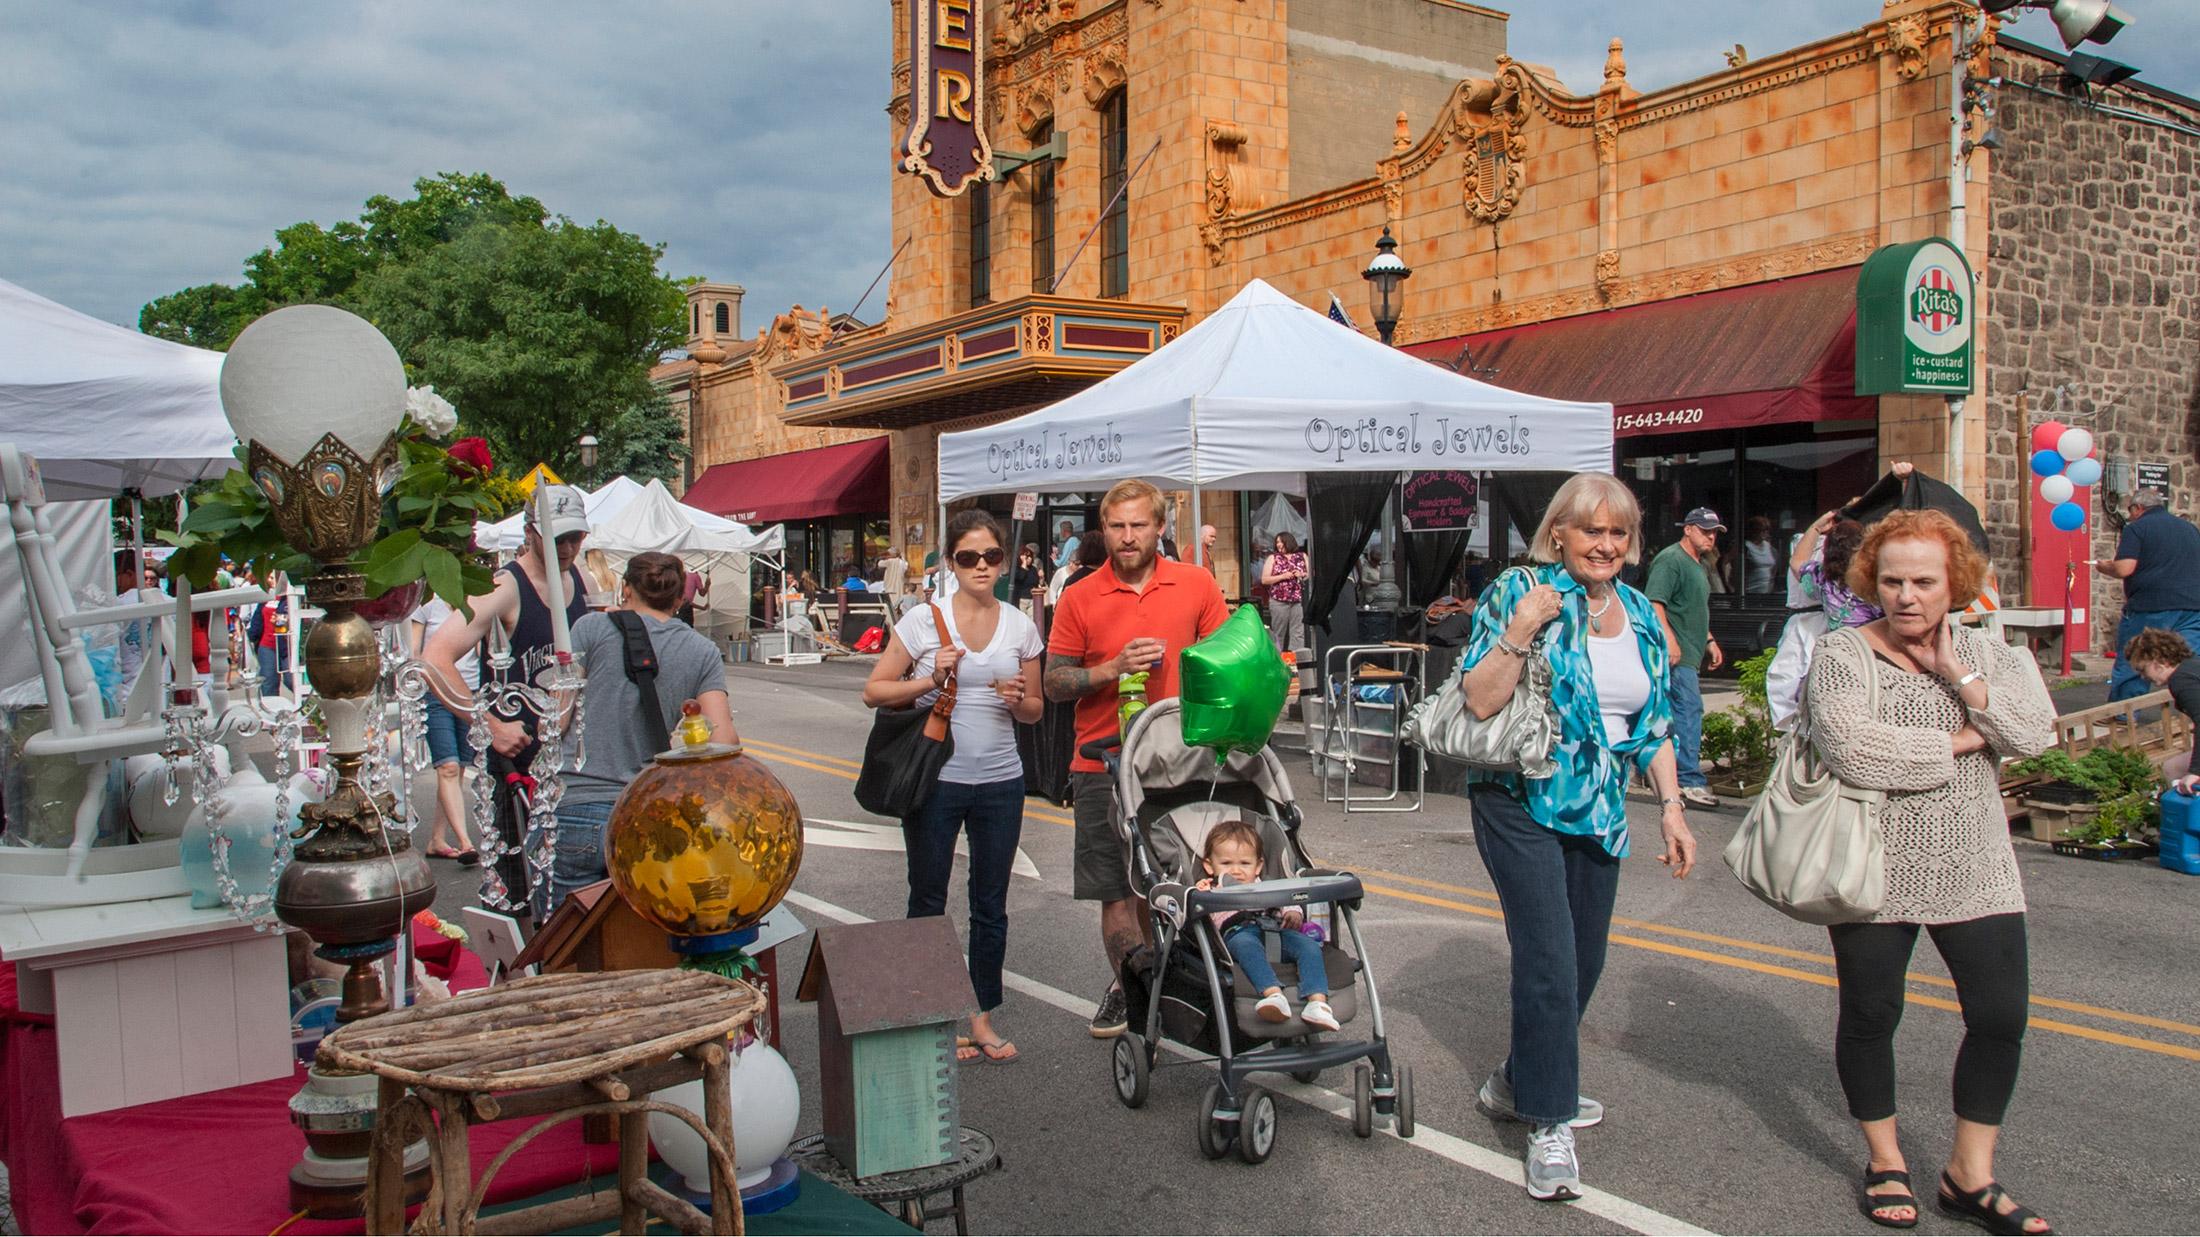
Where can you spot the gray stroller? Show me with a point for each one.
(1186, 988)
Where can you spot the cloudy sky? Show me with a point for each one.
(149, 147)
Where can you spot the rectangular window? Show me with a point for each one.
(981, 244)
(1115, 224)
(1042, 215)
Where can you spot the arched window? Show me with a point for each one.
(695, 312)
(1115, 224)
(722, 319)
(1042, 214)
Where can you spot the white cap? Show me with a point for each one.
(568, 510)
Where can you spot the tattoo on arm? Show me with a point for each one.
(1065, 679)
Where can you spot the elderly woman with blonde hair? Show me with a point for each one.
(1552, 845)
(1922, 709)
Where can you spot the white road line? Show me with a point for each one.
(1600, 1203)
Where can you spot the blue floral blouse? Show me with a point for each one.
(1587, 795)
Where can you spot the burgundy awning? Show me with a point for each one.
(1755, 355)
(850, 479)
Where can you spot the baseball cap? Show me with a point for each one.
(568, 511)
(1707, 519)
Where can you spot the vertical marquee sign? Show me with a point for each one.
(946, 143)
(1914, 314)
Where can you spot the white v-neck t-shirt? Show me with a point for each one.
(1622, 681)
(985, 734)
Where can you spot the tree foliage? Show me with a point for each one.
(538, 328)
(644, 441)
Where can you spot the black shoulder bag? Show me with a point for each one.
(641, 671)
(902, 761)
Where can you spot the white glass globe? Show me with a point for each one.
(308, 370)
(2057, 489)
(767, 1103)
(2075, 444)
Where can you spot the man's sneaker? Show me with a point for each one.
(1496, 1097)
(1700, 796)
(1554, 1168)
(1113, 1016)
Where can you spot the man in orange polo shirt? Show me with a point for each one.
(1137, 612)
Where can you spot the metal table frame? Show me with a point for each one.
(1346, 720)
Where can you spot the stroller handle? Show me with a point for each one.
(1098, 750)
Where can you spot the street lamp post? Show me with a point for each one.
(588, 454)
(1386, 277)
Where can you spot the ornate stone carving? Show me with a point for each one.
(1607, 270)
(1038, 334)
(1224, 193)
(1489, 124)
(1981, 64)
(1906, 43)
(1105, 70)
(1615, 62)
(1034, 107)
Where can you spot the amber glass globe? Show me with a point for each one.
(704, 841)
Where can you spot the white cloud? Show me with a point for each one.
(147, 148)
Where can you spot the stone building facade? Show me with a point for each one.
(2094, 293)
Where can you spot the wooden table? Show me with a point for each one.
(557, 1047)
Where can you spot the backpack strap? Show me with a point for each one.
(641, 671)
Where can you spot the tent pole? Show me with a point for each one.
(1196, 526)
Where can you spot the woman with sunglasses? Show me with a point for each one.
(992, 655)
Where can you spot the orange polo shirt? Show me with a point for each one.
(1180, 605)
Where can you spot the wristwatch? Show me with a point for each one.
(1969, 679)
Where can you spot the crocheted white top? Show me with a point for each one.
(1944, 828)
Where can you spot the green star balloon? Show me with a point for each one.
(1233, 684)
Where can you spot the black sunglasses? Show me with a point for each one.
(967, 559)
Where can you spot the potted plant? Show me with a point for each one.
(1738, 743)
(2070, 794)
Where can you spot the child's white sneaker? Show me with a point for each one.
(1318, 1014)
(1273, 1008)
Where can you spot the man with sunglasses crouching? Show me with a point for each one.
(1136, 612)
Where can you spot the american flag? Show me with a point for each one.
(1338, 315)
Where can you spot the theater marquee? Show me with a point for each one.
(946, 144)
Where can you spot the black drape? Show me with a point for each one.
(1342, 513)
(1431, 559)
(1913, 493)
(1525, 496)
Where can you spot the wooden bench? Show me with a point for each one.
(2117, 724)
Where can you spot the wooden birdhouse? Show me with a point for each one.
(889, 995)
(595, 930)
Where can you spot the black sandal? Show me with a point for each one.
(1872, 1204)
(1983, 1208)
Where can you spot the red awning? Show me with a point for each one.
(850, 479)
(1756, 355)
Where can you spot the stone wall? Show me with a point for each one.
(1354, 64)
(2093, 306)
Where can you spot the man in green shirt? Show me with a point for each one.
(1680, 588)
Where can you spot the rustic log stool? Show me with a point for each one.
(909, 1190)
(559, 1047)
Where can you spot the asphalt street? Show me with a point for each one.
(1709, 1040)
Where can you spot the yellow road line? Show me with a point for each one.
(780, 749)
(773, 751)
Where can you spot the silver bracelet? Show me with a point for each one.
(1505, 643)
(1674, 801)
(1969, 679)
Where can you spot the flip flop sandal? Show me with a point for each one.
(442, 852)
(1983, 1208)
(469, 857)
(989, 1052)
(1872, 1204)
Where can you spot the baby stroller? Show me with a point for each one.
(1186, 987)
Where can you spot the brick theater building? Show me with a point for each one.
(1689, 253)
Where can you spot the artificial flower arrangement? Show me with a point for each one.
(430, 502)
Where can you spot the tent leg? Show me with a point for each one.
(1197, 524)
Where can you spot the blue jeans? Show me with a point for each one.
(993, 812)
(447, 734)
(579, 859)
(1687, 725)
(2124, 682)
(1248, 945)
(1557, 891)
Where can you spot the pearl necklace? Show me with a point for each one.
(1597, 613)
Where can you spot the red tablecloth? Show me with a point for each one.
(212, 1163)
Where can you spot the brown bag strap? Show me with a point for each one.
(943, 706)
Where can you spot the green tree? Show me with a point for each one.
(643, 441)
(207, 316)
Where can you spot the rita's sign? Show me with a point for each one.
(1914, 314)
(946, 142)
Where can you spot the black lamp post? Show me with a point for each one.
(1386, 277)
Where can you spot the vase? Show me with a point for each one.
(247, 819)
(766, 1105)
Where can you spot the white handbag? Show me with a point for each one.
(1810, 846)
(1516, 739)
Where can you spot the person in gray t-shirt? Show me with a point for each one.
(617, 740)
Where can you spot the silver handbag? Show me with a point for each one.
(1810, 846)
(1516, 739)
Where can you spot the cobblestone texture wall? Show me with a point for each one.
(2093, 305)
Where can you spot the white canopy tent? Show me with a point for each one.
(1264, 391)
(104, 409)
(654, 520)
(507, 535)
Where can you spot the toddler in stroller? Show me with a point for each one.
(1233, 858)
(1188, 986)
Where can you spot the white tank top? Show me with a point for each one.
(1623, 683)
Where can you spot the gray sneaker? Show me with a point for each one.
(1554, 1167)
(1113, 1016)
(1496, 1097)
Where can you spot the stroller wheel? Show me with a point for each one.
(1132, 1072)
(1257, 1127)
(1363, 1100)
(1308, 1076)
(1215, 1133)
(1401, 1110)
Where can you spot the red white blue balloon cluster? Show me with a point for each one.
(2063, 460)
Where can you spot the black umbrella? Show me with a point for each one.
(1917, 492)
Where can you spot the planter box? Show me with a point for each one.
(1737, 785)
(2049, 821)
(2105, 850)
